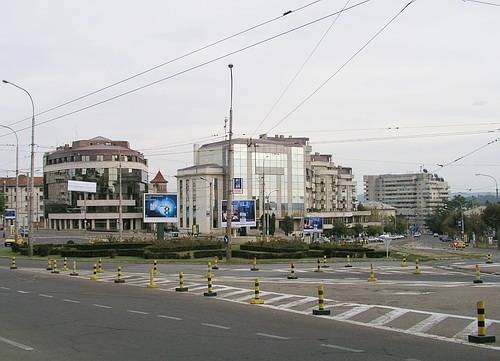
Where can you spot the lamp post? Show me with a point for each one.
(17, 180)
(265, 218)
(32, 170)
(494, 179)
(210, 200)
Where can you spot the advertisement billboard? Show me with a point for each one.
(243, 213)
(79, 186)
(9, 213)
(313, 224)
(160, 207)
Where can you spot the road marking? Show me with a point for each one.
(272, 336)
(138, 312)
(23, 292)
(216, 326)
(170, 317)
(298, 302)
(44, 295)
(278, 298)
(16, 344)
(388, 317)
(236, 293)
(428, 323)
(72, 301)
(353, 312)
(5, 288)
(342, 348)
(101, 306)
(471, 329)
(198, 288)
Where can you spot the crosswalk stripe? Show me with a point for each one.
(426, 324)
(471, 329)
(239, 292)
(353, 312)
(278, 298)
(298, 302)
(388, 317)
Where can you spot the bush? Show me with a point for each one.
(274, 255)
(209, 253)
(71, 252)
(164, 255)
(280, 246)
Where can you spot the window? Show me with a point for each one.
(100, 158)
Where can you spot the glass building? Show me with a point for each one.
(104, 162)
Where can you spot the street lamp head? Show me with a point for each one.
(5, 81)
(230, 66)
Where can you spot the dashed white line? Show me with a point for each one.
(341, 348)
(389, 316)
(101, 306)
(44, 295)
(71, 301)
(216, 326)
(23, 292)
(5, 288)
(170, 317)
(426, 324)
(16, 344)
(138, 312)
(272, 336)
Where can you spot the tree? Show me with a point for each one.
(374, 230)
(358, 229)
(287, 225)
(272, 225)
(491, 217)
(339, 229)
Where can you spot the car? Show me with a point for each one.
(417, 234)
(10, 241)
(444, 238)
(457, 244)
(435, 235)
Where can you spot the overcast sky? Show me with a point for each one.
(434, 70)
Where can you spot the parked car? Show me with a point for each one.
(444, 238)
(457, 244)
(10, 241)
(435, 235)
(417, 234)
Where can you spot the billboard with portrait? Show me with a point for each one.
(313, 224)
(9, 213)
(243, 213)
(160, 207)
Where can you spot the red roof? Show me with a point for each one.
(158, 178)
(23, 180)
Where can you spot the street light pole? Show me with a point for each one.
(265, 212)
(494, 179)
(229, 212)
(32, 170)
(16, 224)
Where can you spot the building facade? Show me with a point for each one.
(414, 195)
(8, 185)
(109, 164)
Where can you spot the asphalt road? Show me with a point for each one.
(56, 317)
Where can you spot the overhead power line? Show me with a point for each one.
(189, 53)
(340, 68)
(213, 60)
(481, 2)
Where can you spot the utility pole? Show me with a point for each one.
(230, 173)
(120, 217)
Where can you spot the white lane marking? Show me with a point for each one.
(248, 297)
(23, 292)
(170, 317)
(298, 302)
(44, 295)
(216, 326)
(71, 301)
(198, 288)
(235, 293)
(5, 288)
(471, 329)
(342, 348)
(388, 317)
(138, 312)
(101, 306)
(428, 323)
(272, 336)
(353, 312)
(16, 344)
(278, 298)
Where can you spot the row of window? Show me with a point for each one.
(95, 158)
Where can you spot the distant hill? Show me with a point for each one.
(479, 197)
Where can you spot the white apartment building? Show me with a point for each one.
(414, 195)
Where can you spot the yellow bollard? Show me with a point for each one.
(372, 277)
(321, 303)
(256, 300)
(403, 262)
(152, 283)
(216, 262)
(54, 267)
(65, 264)
(324, 262)
(488, 258)
(181, 287)
(478, 275)
(94, 276)
(74, 273)
(209, 292)
(291, 274)
(99, 266)
(318, 267)
(348, 264)
(417, 267)
(119, 278)
(13, 263)
(481, 336)
(254, 265)
(49, 264)
(156, 272)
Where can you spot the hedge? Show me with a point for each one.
(166, 255)
(220, 253)
(110, 245)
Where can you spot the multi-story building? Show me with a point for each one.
(8, 185)
(106, 162)
(414, 195)
(271, 171)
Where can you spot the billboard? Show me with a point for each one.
(243, 213)
(313, 224)
(9, 213)
(160, 207)
(79, 186)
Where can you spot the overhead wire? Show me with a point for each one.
(481, 2)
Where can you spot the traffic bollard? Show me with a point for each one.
(74, 272)
(292, 275)
(209, 292)
(65, 264)
(216, 262)
(318, 267)
(181, 287)
(152, 283)
(403, 262)
(49, 264)
(54, 267)
(417, 267)
(478, 275)
(256, 300)
(488, 258)
(119, 276)
(348, 264)
(94, 276)
(99, 266)
(324, 262)
(372, 277)
(321, 303)
(254, 265)
(13, 263)
(481, 336)
(156, 271)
